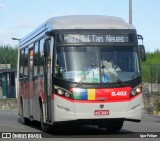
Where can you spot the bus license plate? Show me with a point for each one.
(101, 112)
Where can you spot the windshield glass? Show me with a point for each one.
(97, 64)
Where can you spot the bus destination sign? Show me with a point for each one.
(94, 38)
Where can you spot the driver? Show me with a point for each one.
(113, 65)
(110, 67)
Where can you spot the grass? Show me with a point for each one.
(8, 55)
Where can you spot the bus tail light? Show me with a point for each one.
(136, 90)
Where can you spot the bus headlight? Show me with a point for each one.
(67, 94)
(136, 90)
(60, 92)
(63, 92)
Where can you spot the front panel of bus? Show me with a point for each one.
(96, 75)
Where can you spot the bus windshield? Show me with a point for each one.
(102, 64)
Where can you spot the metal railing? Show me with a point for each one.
(151, 78)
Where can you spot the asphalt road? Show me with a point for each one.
(10, 122)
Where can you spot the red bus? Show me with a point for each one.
(83, 70)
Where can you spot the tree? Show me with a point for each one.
(8, 55)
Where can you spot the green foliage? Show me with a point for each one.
(8, 55)
(153, 57)
(151, 68)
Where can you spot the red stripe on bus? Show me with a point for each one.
(41, 94)
(98, 101)
(52, 97)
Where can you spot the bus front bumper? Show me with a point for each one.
(66, 110)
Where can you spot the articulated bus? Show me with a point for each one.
(81, 69)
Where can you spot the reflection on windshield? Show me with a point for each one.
(112, 72)
(73, 63)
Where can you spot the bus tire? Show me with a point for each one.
(45, 127)
(25, 120)
(114, 126)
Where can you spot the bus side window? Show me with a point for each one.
(41, 57)
(60, 62)
(26, 63)
(21, 63)
(36, 59)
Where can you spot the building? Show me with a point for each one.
(7, 81)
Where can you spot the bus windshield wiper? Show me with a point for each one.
(113, 75)
(85, 74)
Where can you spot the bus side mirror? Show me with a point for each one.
(141, 48)
(46, 48)
(142, 52)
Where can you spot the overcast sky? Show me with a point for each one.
(19, 17)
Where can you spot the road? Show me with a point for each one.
(10, 122)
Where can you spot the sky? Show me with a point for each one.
(20, 17)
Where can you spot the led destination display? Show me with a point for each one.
(94, 38)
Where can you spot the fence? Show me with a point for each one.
(151, 78)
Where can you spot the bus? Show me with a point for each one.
(81, 69)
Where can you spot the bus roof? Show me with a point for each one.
(78, 22)
(88, 22)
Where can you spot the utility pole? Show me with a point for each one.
(130, 11)
(17, 79)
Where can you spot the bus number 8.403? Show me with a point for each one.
(121, 93)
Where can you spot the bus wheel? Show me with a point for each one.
(114, 126)
(45, 127)
(25, 120)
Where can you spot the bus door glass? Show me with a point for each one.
(42, 78)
